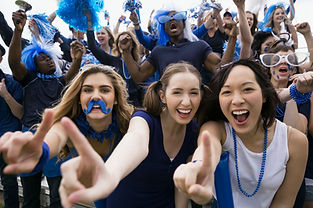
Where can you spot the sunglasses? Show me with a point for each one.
(293, 59)
(177, 16)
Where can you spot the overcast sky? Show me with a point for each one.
(303, 13)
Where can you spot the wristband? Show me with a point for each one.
(300, 98)
(194, 161)
(44, 158)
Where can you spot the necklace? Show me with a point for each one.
(48, 76)
(125, 71)
(261, 174)
(88, 131)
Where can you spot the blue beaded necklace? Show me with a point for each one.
(262, 165)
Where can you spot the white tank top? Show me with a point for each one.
(249, 164)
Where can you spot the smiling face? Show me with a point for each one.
(241, 100)
(103, 37)
(174, 28)
(283, 71)
(279, 15)
(250, 19)
(182, 96)
(45, 64)
(97, 86)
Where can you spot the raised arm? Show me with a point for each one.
(305, 29)
(147, 41)
(139, 73)
(19, 70)
(196, 179)
(86, 178)
(117, 26)
(78, 49)
(294, 35)
(245, 34)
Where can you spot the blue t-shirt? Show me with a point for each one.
(151, 183)
(8, 122)
(193, 52)
(38, 95)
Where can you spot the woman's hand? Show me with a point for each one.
(22, 151)
(195, 179)
(84, 178)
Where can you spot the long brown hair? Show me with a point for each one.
(152, 102)
(135, 46)
(70, 102)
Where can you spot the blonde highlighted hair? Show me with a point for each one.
(135, 46)
(70, 106)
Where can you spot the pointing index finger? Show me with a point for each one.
(79, 140)
(45, 125)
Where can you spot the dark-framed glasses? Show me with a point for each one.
(293, 59)
(177, 16)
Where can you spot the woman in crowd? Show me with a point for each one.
(276, 20)
(96, 100)
(158, 140)
(266, 158)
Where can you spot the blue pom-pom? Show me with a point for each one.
(73, 12)
(45, 29)
(132, 5)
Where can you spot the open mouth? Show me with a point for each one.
(183, 113)
(96, 107)
(240, 116)
(173, 27)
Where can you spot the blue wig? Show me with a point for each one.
(45, 29)
(73, 13)
(30, 52)
(163, 36)
(267, 17)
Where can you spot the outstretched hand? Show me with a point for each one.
(84, 178)
(195, 179)
(22, 151)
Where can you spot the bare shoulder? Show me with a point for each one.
(297, 141)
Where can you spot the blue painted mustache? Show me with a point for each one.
(97, 102)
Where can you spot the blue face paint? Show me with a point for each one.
(290, 68)
(97, 102)
(273, 73)
(277, 77)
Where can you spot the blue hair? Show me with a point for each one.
(30, 52)
(263, 25)
(163, 36)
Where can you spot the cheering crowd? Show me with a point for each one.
(176, 115)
